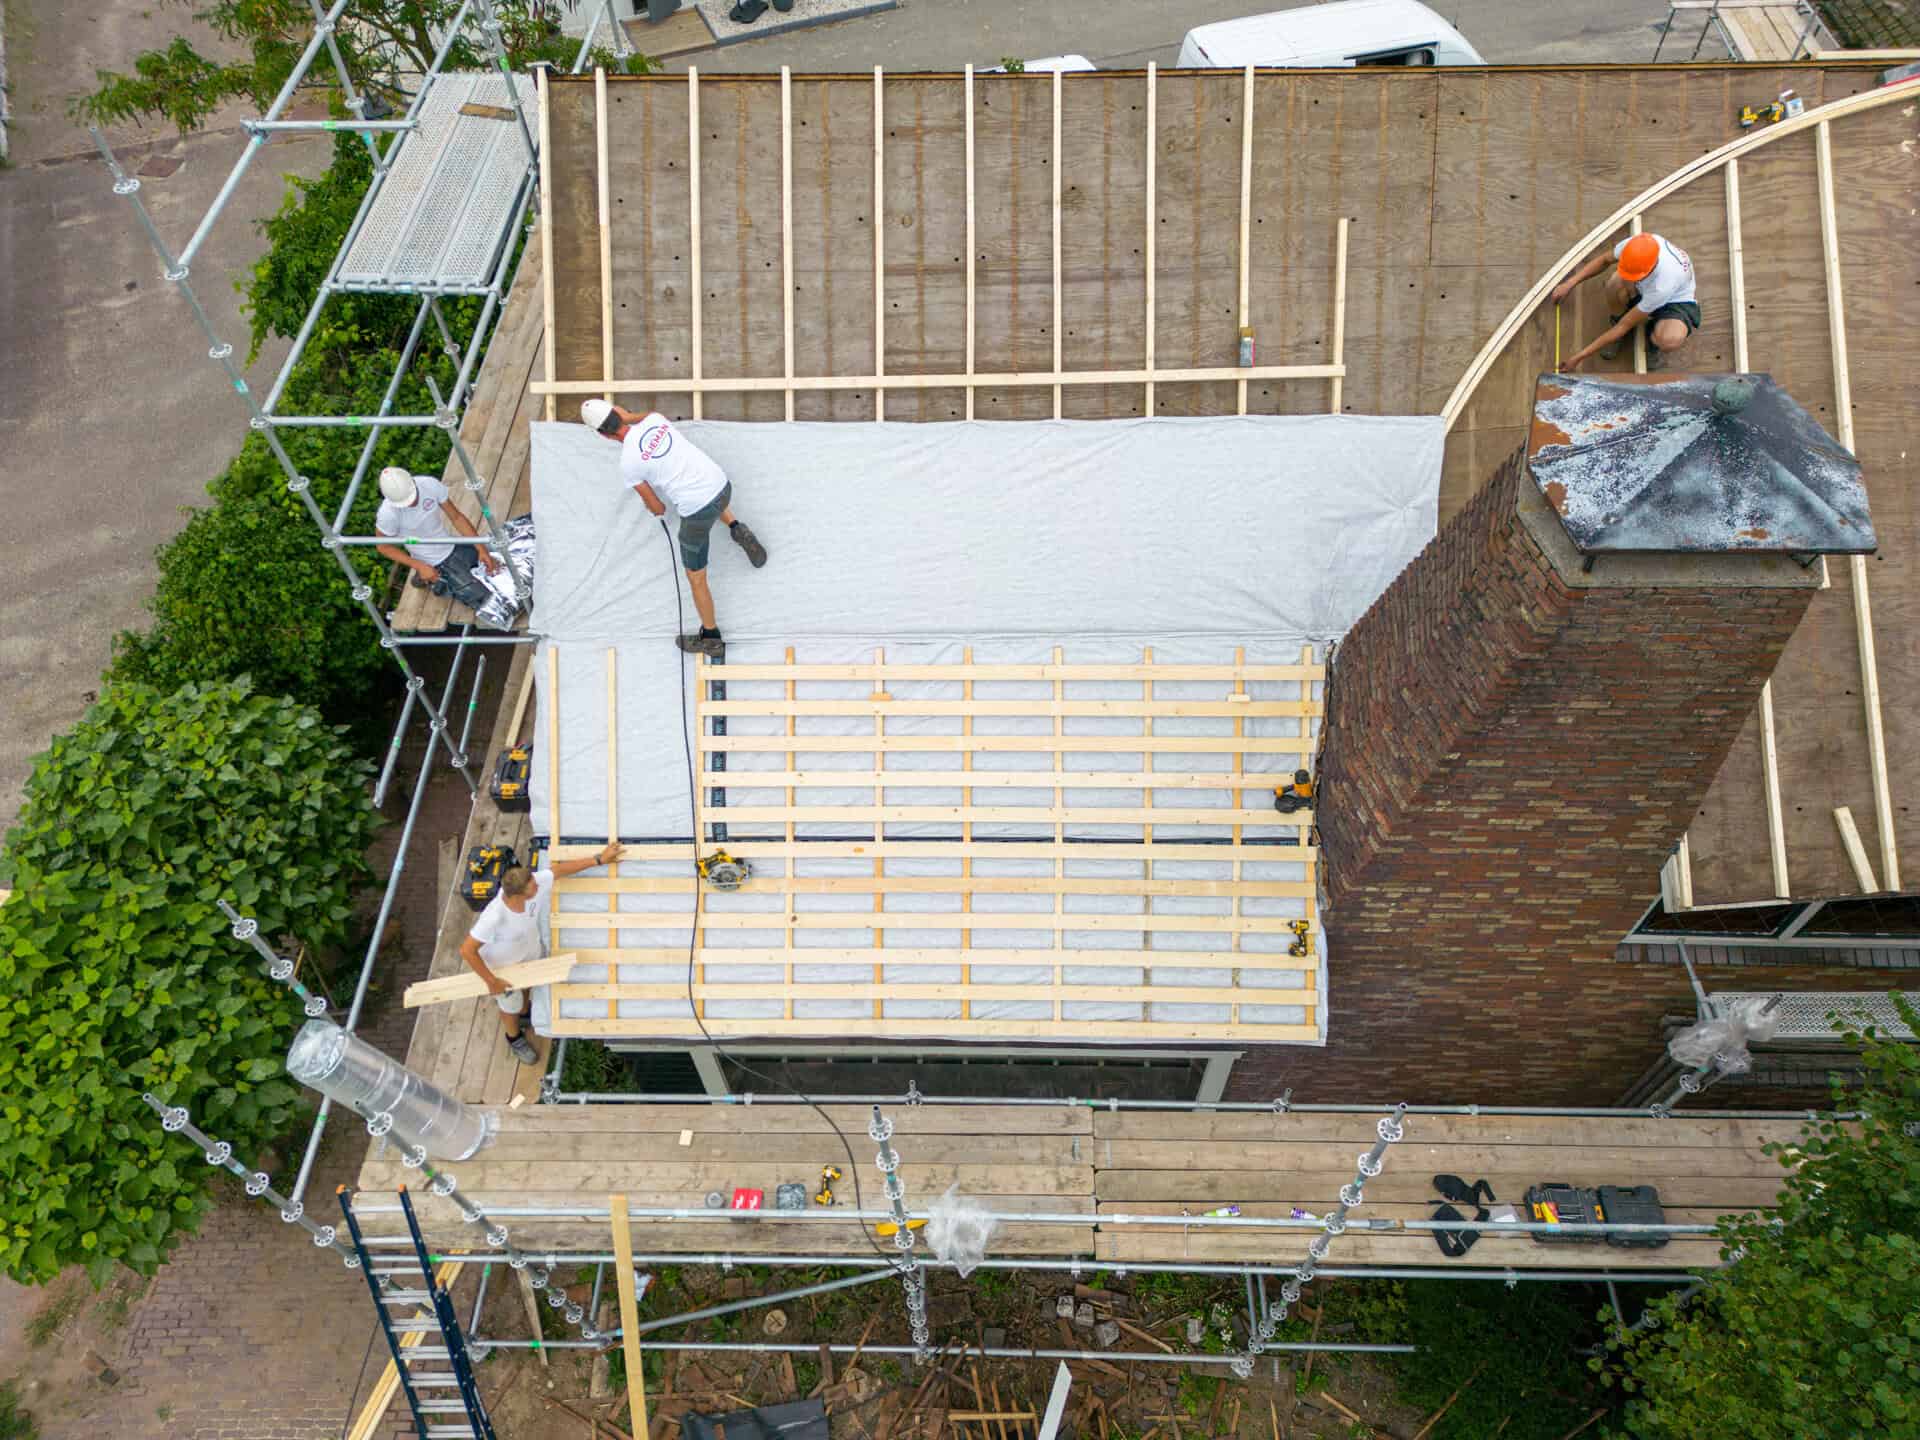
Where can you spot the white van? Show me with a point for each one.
(1346, 32)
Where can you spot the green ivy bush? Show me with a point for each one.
(1814, 1332)
(117, 975)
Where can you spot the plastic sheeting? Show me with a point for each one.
(1192, 535)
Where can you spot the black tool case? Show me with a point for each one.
(1633, 1205)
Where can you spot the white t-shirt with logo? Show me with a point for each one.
(508, 937)
(426, 516)
(680, 473)
(1671, 279)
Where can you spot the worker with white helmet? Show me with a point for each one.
(665, 468)
(1651, 285)
(414, 510)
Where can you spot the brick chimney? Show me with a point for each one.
(1519, 730)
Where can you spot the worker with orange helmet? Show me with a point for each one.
(1651, 285)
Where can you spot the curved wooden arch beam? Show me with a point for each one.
(1713, 160)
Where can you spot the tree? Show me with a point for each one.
(382, 43)
(1814, 1330)
(116, 972)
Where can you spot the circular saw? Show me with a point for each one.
(723, 871)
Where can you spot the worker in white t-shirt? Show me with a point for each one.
(513, 929)
(665, 468)
(414, 509)
(1651, 285)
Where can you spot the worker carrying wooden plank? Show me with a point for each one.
(1651, 285)
(664, 467)
(513, 929)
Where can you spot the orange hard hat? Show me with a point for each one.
(1638, 258)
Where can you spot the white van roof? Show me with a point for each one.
(1342, 28)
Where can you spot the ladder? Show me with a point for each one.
(435, 1371)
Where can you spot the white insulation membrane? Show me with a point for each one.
(1192, 536)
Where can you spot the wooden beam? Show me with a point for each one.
(1856, 564)
(1277, 851)
(604, 190)
(910, 670)
(546, 227)
(1856, 852)
(629, 1308)
(1053, 993)
(1339, 310)
(1058, 364)
(520, 702)
(937, 885)
(613, 790)
(1683, 871)
(531, 1302)
(1277, 961)
(1246, 219)
(1000, 779)
(467, 985)
(879, 244)
(786, 229)
(968, 744)
(971, 256)
(1634, 227)
(1153, 142)
(1769, 750)
(902, 1029)
(713, 919)
(1051, 706)
(1013, 379)
(693, 228)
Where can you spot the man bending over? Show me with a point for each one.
(1651, 285)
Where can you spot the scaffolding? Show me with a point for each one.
(441, 218)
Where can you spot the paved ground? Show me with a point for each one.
(111, 415)
(945, 34)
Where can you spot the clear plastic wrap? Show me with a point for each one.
(958, 1229)
(1721, 1042)
(345, 1067)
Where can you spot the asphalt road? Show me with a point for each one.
(111, 415)
(945, 34)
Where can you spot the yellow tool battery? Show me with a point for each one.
(480, 876)
(508, 787)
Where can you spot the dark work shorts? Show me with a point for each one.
(1684, 311)
(695, 528)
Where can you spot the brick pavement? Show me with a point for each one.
(251, 1332)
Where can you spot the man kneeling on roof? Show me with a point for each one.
(512, 930)
(665, 468)
(1651, 285)
(415, 509)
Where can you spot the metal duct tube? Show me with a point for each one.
(347, 1069)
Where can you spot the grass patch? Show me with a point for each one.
(50, 1317)
(15, 1423)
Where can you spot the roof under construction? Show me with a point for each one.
(1091, 245)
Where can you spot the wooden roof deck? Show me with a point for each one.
(1058, 1160)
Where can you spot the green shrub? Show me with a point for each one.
(1815, 1331)
(245, 589)
(117, 975)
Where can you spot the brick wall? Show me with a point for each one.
(1512, 750)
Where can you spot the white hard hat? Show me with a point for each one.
(397, 485)
(595, 412)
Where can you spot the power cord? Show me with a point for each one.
(699, 890)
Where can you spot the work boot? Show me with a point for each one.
(783, 6)
(522, 1047)
(712, 646)
(1612, 352)
(749, 542)
(745, 12)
